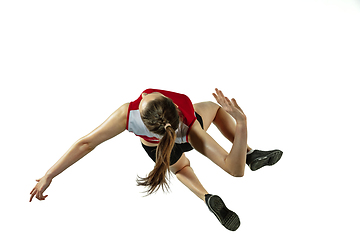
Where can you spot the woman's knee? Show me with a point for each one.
(208, 111)
(180, 164)
(207, 106)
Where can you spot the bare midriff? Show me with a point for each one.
(149, 144)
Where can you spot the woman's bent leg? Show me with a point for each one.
(186, 175)
(213, 113)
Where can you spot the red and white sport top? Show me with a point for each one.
(137, 126)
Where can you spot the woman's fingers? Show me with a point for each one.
(227, 101)
(236, 105)
(220, 94)
(38, 195)
(215, 96)
(40, 187)
(220, 98)
(32, 196)
(229, 106)
(32, 193)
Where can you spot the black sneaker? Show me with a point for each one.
(259, 159)
(227, 218)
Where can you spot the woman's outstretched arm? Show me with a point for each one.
(113, 126)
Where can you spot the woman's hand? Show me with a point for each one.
(230, 106)
(41, 186)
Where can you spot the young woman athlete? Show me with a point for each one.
(169, 125)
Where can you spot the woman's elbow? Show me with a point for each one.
(86, 145)
(238, 174)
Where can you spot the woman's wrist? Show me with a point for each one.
(48, 176)
(241, 123)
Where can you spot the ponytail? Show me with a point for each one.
(159, 176)
(161, 116)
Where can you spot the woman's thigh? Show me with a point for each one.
(207, 110)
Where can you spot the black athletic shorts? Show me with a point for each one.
(178, 150)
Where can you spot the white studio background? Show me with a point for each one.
(293, 66)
